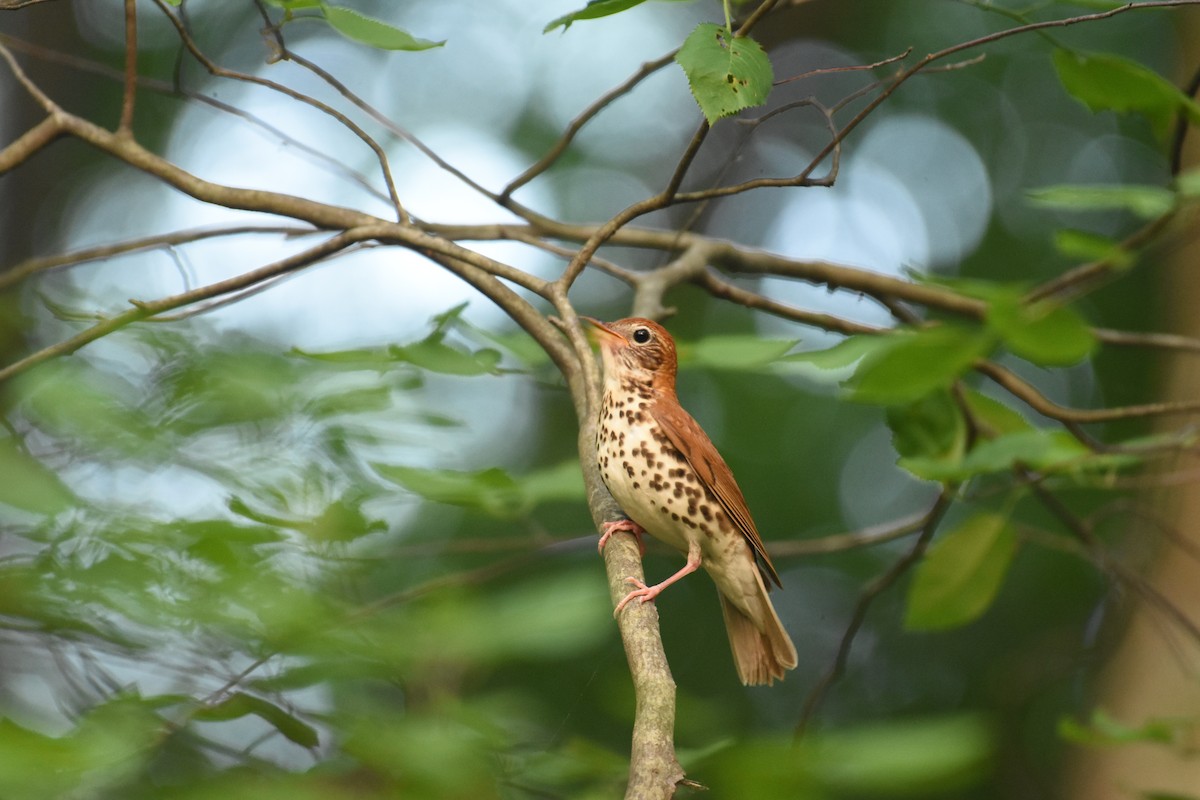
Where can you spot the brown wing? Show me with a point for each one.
(690, 439)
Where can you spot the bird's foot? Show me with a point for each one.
(609, 528)
(643, 593)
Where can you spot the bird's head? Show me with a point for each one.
(637, 349)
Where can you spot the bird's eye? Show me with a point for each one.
(641, 335)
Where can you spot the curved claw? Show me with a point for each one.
(643, 592)
(609, 528)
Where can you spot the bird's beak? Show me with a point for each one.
(603, 332)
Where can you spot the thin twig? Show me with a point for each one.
(22, 270)
(878, 586)
(125, 128)
(572, 130)
(218, 71)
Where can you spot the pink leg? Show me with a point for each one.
(609, 528)
(644, 592)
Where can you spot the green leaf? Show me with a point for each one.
(726, 75)
(992, 415)
(1147, 202)
(593, 10)
(734, 352)
(241, 704)
(560, 483)
(492, 491)
(911, 758)
(435, 355)
(1037, 449)
(917, 362)
(27, 484)
(370, 31)
(844, 354)
(961, 573)
(1107, 82)
(1087, 246)
(1188, 183)
(1043, 332)
(292, 5)
(1102, 730)
(932, 428)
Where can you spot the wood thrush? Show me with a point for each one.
(669, 479)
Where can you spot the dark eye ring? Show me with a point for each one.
(641, 335)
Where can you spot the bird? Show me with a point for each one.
(670, 481)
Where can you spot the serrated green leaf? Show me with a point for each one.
(593, 10)
(435, 355)
(1107, 82)
(375, 33)
(734, 352)
(1045, 333)
(1147, 202)
(961, 573)
(916, 363)
(725, 74)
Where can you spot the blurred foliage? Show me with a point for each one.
(230, 568)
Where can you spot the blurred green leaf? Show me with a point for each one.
(240, 704)
(916, 363)
(372, 32)
(437, 356)
(1042, 332)
(1147, 202)
(844, 354)
(941, 757)
(725, 74)
(27, 484)
(1087, 246)
(492, 491)
(343, 521)
(734, 352)
(960, 575)
(1103, 730)
(1041, 450)
(1108, 82)
(932, 428)
(107, 747)
(593, 10)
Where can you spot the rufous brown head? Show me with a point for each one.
(636, 348)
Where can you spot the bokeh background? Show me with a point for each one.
(334, 533)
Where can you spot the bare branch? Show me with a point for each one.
(145, 309)
(125, 127)
(1043, 405)
(19, 272)
(214, 69)
(29, 143)
(878, 586)
(853, 540)
(171, 90)
(604, 101)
